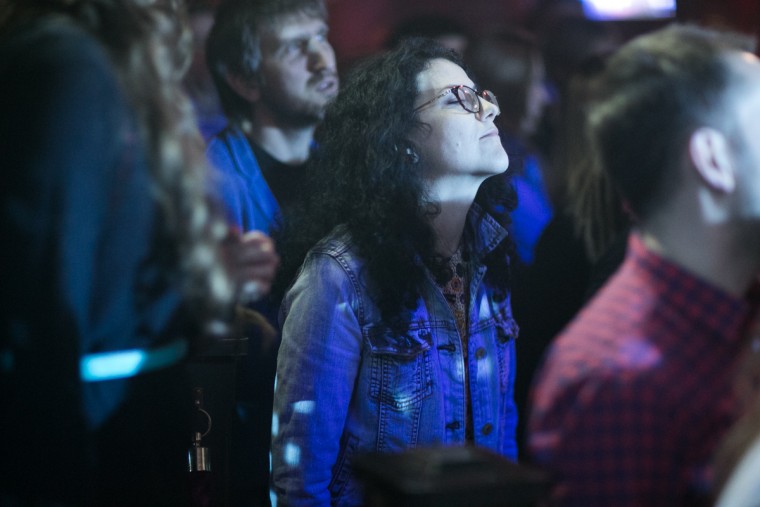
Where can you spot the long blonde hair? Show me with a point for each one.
(150, 45)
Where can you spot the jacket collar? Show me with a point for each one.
(488, 233)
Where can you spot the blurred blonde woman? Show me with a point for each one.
(113, 257)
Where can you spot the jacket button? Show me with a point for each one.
(486, 429)
(453, 425)
(480, 353)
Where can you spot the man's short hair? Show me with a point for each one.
(655, 91)
(233, 46)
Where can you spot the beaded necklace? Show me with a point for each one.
(455, 288)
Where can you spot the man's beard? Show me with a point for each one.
(293, 112)
(296, 114)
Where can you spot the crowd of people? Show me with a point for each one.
(543, 243)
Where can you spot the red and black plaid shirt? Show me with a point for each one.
(636, 393)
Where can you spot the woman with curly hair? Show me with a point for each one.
(115, 259)
(397, 330)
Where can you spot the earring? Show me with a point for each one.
(412, 155)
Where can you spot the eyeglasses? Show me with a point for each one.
(468, 98)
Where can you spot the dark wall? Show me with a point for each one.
(360, 27)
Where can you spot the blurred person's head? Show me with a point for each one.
(509, 63)
(271, 60)
(568, 41)
(675, 100)
(445, 30)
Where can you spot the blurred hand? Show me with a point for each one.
(255, 264)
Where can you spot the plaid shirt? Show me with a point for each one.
(637, 391)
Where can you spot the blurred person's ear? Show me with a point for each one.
(710, 154)
(245, 87)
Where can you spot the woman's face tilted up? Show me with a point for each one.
(456, 142)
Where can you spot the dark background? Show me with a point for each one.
(360, 27)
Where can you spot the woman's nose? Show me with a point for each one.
(488, 109)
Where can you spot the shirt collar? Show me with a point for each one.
(719, 312)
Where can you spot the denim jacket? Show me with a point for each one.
(348, 384)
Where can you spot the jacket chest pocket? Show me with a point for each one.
(506, 332)
(401, 373)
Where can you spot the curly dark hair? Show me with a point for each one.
(363, 177)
